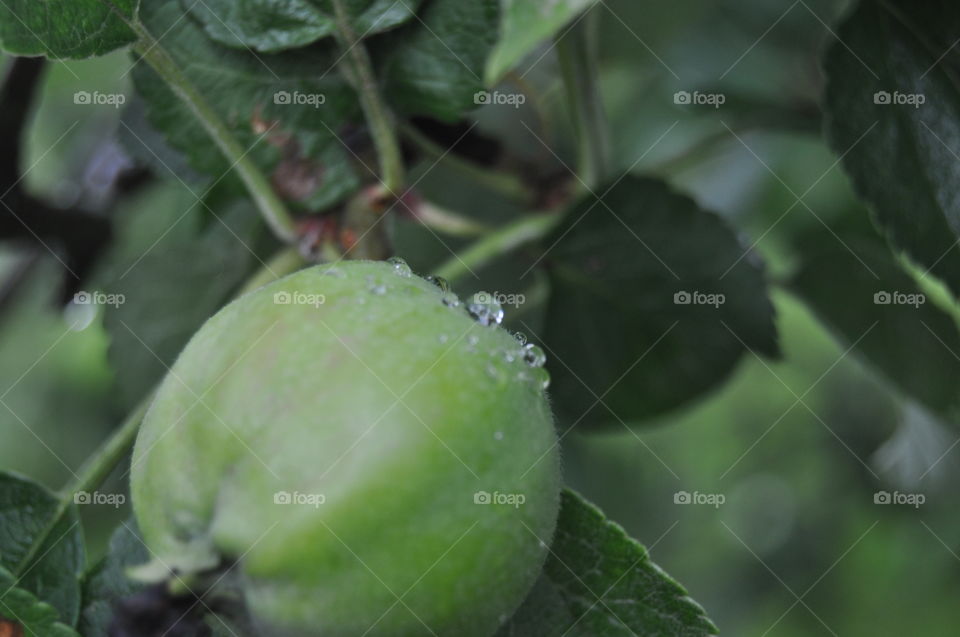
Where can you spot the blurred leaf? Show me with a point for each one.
(20, 610)
(169, 292)
(108, 583)
(902, 157)
(524, 26)
(288, 109)
(653, 303)
(598, 581)
(53, 575)
(64, 28)
(274, 25)
(867, 299)
(433, 65)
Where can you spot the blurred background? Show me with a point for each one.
(798, 448)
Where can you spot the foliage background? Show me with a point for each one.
(799, 547)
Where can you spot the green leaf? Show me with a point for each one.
(275, 25)
(20, 610)
(902, 157)
(53, 575)
(254, 94)
(433, 65)
(107, 583)
(622, 346)
(65, 28)
(871, 304)
(599, 582)
(169, 290)
(524, 26)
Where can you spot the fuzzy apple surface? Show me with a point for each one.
(360, 451)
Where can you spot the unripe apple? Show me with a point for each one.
(366, 454)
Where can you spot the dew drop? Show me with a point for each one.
(450, 299)
(498, 435)
(539, 376)
(485, 309)
(533, 355)
(521, 338)
(495, 372)
(376, 287)
(440, 282)
(334, 272)
(400, 267)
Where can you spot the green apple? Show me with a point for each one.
(365, 454)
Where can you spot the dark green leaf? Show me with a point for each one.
(622, 345)
(599, 582)
(53, 575)
(901, 154)
(65, 28)
(20, 610)
(868, 300)
(254, 94)
(524, 26)
(434, 64)
(275, 25)
(169, 290)
(108, 583)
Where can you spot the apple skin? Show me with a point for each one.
(327, 438)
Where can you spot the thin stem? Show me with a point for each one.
(518, 233)
(448, 222)
(281, 264)
(506, 184)
(577, 50)
(90, 476)
(270, 205)
(359, 70)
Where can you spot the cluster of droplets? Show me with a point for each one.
(485, 309)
